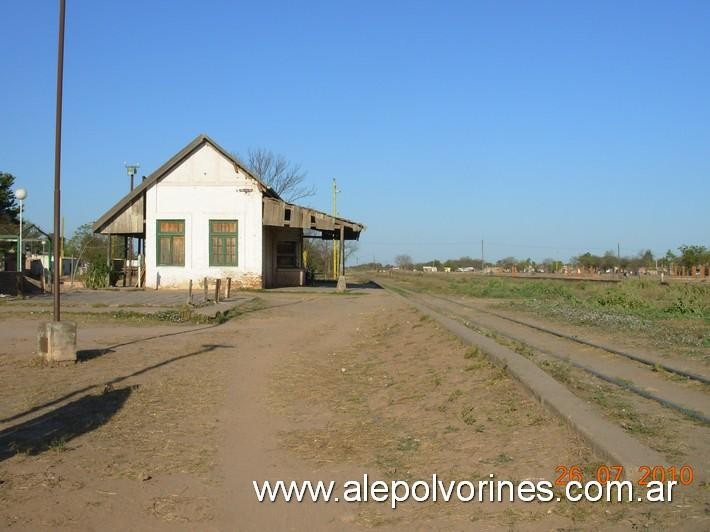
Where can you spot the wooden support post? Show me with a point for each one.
(130, 261)
(217, 290)
(189, 293)
(110, 261)
(342, 250)
(205, 287)
(229, 287)
(342, 285)
(125, 260)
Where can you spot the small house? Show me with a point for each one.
(203, 214)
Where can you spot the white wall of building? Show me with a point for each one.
(206, 186)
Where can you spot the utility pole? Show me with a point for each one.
(56, 340)
(483, 264)
(57, 159)
(618, 257)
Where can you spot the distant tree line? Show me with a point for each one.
(688, 256)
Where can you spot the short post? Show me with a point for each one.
(229, 287)
(189, 293)
(56, 341)
(204, 285)
(20, 285)
(217, 288)
(140, 271)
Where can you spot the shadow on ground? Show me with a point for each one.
(206, 348)
(84, 355)
(54, 429)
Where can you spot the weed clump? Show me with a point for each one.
(472, 352)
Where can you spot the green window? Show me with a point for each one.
(171, 242)
(223, 242)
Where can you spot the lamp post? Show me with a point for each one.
(131, 169)
(20, 194)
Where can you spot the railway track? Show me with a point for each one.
(673, 385)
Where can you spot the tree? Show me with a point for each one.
(526, 265)
(351, 246)
(319, 253)
(507, 263)
(90, 249)
(552, 265)
(276, 171)
(609, 261)
(315, 253)
(9, 210)
(87, 246)
(693, 255)
(464, 262)
(403, 262)
(646, 258)
(587, 260)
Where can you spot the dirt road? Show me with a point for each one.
(166, 427)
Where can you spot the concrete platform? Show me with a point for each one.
(606, 438)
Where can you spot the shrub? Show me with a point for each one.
(96, 275)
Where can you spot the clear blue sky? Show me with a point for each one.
(546, 128)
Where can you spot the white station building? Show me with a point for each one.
(202, 214)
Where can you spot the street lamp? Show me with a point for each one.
(132, 169)
(20, 194)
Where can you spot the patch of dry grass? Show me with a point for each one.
(165, 426)
(151, 435)
(410, 400)
(178, 509)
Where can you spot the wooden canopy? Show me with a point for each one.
(279, 213)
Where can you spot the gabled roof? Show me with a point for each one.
(171, 164)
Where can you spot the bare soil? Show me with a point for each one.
(166, 426)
